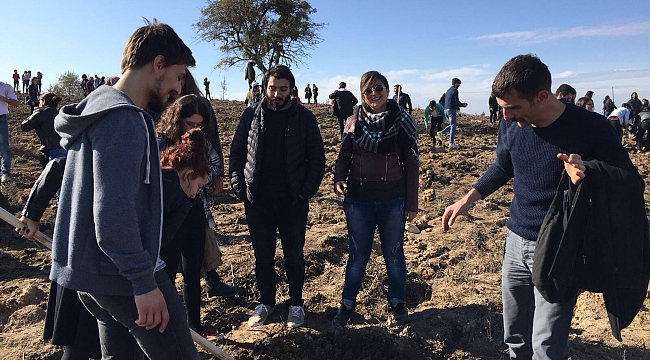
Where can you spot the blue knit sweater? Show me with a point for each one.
(529, 155)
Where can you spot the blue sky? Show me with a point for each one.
(592, 45)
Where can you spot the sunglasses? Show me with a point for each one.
(378, 88)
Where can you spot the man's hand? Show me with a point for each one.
(459, 207)
(152, 310)
(29, 230)
(410, 215)
(216, 186)
(574, 167)
(341, 187)
(463, 105)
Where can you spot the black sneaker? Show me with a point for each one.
(401, 313)
(342, 316)
(216, 287)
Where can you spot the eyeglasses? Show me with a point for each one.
(378, 88)
(193, 125)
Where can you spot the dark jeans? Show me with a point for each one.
(116, 313)
(362, 219)
(641, 131)
(435, 126)
(341, 121)
(266, 216)
(533, 328)
(188, 247)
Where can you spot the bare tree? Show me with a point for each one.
(266, 32)
(67, 85)
(223, 89)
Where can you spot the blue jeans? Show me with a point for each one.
(115, 314)
(5, 164)
(362, 218)
(55, 153)
(532, 327)
(451, 115)
(265, 218)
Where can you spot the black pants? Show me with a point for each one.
(436, 125)
(642, 130)
(188, 247)
(265, 218)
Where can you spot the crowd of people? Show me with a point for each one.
(135, 161)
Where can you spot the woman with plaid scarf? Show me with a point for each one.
(377, 171)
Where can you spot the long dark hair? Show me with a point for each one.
(170, 126)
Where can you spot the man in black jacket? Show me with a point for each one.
(402, 98)
(277, 162)
(343, 106)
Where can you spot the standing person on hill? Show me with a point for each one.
(84, 80)
(344, 102)
(90, 86)
(110, 213)
(7, 97)
(206, 85)
(254, 95)
(39, 76)
(402, 98)
(308, 94)
(295, 96)
(96, 82)
(441, 101)
(377, 171)
(452, 105)
(16, 77)
(494, 109)
(434, 115)
(33, 93)
(43, 121)
(536, 144)
(608, 106)
(277, 162)
(314, 92)
(26, 79)
(635, 108)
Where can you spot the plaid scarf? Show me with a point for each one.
(379, 133)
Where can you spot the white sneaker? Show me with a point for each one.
(441, 136)
(453, 146)
(260, 314)
(296, 316)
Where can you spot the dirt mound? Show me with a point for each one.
(453, 285)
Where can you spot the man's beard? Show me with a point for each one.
(155, 100)
(273, 106)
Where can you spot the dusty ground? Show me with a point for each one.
(453, 288)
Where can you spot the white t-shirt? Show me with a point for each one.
(7, 91)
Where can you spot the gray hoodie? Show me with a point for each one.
(108, 226)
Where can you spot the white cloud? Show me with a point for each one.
(563, 75)
(553, 34)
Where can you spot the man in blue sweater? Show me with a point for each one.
(536, 143)
(452, 105)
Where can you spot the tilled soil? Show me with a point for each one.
(453, 286)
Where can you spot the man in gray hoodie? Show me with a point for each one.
(108, 227)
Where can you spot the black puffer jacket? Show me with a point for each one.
(304, 152)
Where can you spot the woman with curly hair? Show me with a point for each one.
(186, 113)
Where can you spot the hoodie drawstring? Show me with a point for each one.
(148, 174)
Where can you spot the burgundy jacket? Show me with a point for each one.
(356, 163)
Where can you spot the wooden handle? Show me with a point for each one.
(210, 347)
(13, 221)
(47, 242)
